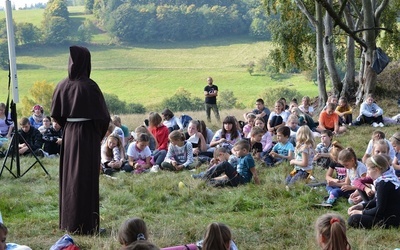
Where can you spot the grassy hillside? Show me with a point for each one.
(147, 73)
(261, 217)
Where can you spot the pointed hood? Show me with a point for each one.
(79, 65)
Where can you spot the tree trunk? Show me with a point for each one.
(320, 58)
(329, 57)
(349, 85)
(368, 82)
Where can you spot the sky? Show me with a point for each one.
(21, 3)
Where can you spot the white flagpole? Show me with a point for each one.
(11, 51)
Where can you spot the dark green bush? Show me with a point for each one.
(271, 95)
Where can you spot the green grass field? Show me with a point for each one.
(148, 73)
(261, 217)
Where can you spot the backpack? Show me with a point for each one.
(185, 119)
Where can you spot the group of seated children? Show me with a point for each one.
(31, 141)
(37, 135)
(371, 185)
(133, 234)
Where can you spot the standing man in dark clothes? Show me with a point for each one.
(79, 107)
(211, 93)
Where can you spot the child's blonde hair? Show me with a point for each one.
(120, 147)
(395, 138)
(176, 136)
(382, 144)
(380, 162)
(293, 118)
(304, 136)
(332, 228)
(306, 100)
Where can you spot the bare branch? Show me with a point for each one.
(379, 10)
(304, 10)
(376, 28)
(339, 22)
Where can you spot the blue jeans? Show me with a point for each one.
(299, 175)
(159, 156)
(337, 192)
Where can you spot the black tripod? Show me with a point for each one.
(12, 152)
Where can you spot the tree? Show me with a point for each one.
(55, 25)
(369, 15)
(85, 31)
(41, 93)
(89, 6)
(27, 33)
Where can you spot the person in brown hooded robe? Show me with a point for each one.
(79, 107)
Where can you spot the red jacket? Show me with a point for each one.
(161, 134)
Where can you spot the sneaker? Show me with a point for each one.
(198, 176)
(323, 204)
(375, 125)
(154, 169)
(381, 125)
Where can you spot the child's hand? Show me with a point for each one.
(137, 165)
(292, 162)
(346, 188)
(179, 167)
(317, 156)
(273, 154)
(174, 163)
(332, 182)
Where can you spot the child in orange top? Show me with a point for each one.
(328, 119)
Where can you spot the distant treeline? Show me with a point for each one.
(166, 20)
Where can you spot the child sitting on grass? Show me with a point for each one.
(224, 174)
(112, 154)
(304, 154)
(220, 155)
(365, 185)
(255, 142)
(322, 157)
(354, 169)
(139, 155)
(180, 153)
(283, 150)
(334, 182)
(377, 135)
(266, 139)
(250, 118)
(395, 140)
(344, 111)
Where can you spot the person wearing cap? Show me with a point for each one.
(36, 119)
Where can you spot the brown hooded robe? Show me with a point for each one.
(78, 96)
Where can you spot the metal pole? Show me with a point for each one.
(14, 80)
(11, 51)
